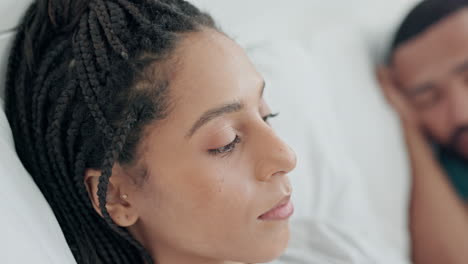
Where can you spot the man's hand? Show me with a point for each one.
(397, 99)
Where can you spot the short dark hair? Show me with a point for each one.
(423, 16)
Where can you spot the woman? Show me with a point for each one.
(145, 128)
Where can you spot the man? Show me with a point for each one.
(426, 81)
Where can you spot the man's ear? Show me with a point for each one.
(119, 202)
(383, 75)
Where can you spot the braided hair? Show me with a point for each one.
(79, 92)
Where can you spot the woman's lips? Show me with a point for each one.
(282, 211)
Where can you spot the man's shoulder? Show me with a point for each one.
(457, 171)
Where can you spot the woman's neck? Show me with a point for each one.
(177, 257)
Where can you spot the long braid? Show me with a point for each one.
(134, 12)
(118, 22)
(98, 43)
(101, 241)
(39, 123)
(72, 135)
(112, 154)
(79, 214)
(54, 153)
(101, 122)
(88, 78)
(46, 66)
(104, 19)
(25, 102)
(72, 104)
(105, 248)
(22, 113)
(54, 139)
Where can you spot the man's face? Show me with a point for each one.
(432, 71)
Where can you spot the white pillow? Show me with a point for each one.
(30, 232)
(11, 12)
(5, 44)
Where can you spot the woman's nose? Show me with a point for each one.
(276, 156)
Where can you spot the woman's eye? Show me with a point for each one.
(267, 117)
(226, 149)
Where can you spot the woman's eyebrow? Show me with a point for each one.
(214, 113)
(219, 111)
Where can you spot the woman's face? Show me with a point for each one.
(214, 166)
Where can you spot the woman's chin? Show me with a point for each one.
(273, 248)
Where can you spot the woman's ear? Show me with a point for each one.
(119, 202)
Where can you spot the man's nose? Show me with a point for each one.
(459, 104)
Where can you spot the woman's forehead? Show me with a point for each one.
(212, 70)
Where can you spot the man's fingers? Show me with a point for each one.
(383, 76)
